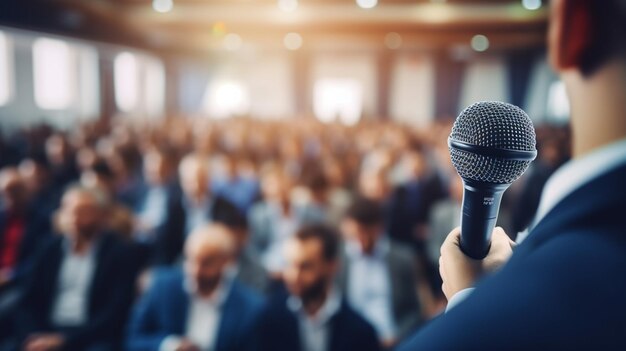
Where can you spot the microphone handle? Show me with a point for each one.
(481, 203)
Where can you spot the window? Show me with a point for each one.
(54, 77)
(6, 78)
(126, 81)
(226, 99)
(338, 100)
(558, 103)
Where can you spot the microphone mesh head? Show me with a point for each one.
(495, 125)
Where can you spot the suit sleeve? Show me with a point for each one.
(143, 332)
(534, 302)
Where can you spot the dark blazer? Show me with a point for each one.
(562, 289)
(163, 312)
(171, 237)
(110, 294)
(36, 231)
(401, 265)
(409, 208)
(279, 329)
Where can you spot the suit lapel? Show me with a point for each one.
(602, 197)
(179, 308)
(229, 312)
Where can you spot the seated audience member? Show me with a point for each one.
(38, 179)
(248, 268)
(277, 217)
(200, 307)
(411, 202)
(159, 192)
(238, 188)
(378, 275)
(313, 315)
(196, 207)
(21, 227)
(79, 291)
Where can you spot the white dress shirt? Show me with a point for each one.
(70, 306)
(569, 177)
(284, 227)
(369, 286)
(315, 330)
(203, 318)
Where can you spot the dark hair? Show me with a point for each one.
(365, 211)
(608, 33)
(230, 216)
(328, 237)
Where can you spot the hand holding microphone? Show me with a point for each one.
(491, 146)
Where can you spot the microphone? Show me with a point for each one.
(491, 145)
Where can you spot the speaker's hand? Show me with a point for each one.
(459, 271)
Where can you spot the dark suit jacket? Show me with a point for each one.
(562, 289)
(171, 237)
(279, 329)
(36, 231)
(401, 265)
(409, 207)
(163, 312)
(110, 294)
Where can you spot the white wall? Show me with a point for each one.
(485, 79)
(412, 89)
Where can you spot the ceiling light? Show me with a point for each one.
(288, 5)
(531, 4)
(367, 4)
(293, 41)
(162, 6)
(480, 43)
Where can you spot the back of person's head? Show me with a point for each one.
(595, 31)
(365, 212)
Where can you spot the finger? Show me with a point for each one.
(441, 269)
(452, 241)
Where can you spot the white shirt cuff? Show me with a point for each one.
(458, 298)
(170, 343)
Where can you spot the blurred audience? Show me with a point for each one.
(80, 287)
(313, 315)
(378, 276)
(200, 307)
(145, 186)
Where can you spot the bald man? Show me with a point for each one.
(199, 307)
(197, 206)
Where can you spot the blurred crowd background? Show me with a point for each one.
(372, 182)
(231, 175)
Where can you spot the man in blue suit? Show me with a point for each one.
(200, 308)
(313, 315)
(564, 286)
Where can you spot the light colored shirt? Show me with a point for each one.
(569, 177)
(284, 226)
(197, 215)
(70, 306)
(369, 286)
(315, 330)
(203, 319)
(153, 212)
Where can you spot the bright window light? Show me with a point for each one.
(225, 99)
(6, 78)
(338, 100)
(126, 81)
(558, 102)
(154, 88)
(54, 74)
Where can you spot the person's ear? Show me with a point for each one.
(570, 33)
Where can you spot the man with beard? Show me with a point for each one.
(313, 316)
(200, 307)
